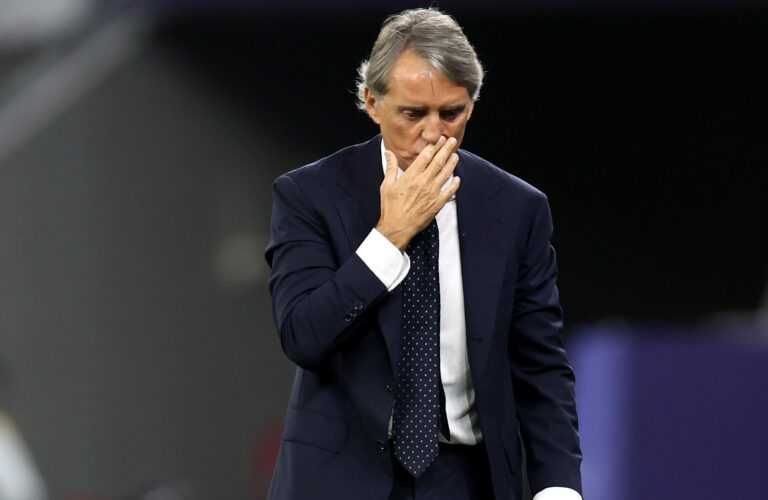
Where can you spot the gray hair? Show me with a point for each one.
(432, 35)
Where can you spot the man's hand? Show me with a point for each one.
(409, 204)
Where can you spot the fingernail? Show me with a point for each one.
(441, 139)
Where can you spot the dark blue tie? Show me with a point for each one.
(419, 401)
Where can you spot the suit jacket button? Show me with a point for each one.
(389, 387)
(348, 317)
(358, 305)
(381, 445)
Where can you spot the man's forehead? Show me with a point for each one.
(435, 90)
(411, 70)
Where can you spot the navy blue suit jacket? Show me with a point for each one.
(341, 327)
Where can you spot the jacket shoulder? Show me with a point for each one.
(327, 168)
(505, 182)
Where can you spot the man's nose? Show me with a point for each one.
(432, 129)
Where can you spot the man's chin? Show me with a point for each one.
(406, 162)
(408, 159)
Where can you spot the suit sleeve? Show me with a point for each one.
(318, 302)
(542, 376)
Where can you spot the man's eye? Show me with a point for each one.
(449, 115)
(412, 115)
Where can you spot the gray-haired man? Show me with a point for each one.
(423, 316)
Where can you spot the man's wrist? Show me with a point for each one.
(384, 259)
(398, 238)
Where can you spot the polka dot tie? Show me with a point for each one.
(419, 400)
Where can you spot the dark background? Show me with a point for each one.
(135, 326)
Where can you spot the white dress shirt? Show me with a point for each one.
(391, 266)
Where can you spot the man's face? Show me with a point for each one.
(422, 104)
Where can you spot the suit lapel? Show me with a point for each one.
(359, 208)
(358, 203)
(482, 249)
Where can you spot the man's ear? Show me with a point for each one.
(371, 106)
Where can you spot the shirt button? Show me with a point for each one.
(381, 445)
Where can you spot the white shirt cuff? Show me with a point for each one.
(384, 259)
(557, 493)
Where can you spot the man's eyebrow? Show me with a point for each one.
(457, 107)
(400, 109)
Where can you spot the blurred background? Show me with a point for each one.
(138, 143)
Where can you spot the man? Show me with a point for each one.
(420, 306)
